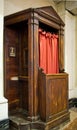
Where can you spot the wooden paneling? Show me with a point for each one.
(16, 37)
(53, 92)
(24, 94)
(11, 68)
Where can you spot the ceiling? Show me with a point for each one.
(70, 5)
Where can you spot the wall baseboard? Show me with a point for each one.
(72, 102)
(4, 124)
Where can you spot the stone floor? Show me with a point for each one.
(73, 116)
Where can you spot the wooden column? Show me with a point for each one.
(61, 49)
(33, 66)
(36, 65)
(30, 62)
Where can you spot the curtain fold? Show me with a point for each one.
(42, 50)
(48, 52)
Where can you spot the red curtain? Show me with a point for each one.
(42, 49)
(48, 52)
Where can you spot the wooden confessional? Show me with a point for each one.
(40, 99)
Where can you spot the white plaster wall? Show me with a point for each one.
(3, 108)
(70, 41)
(61, 10)
(70, 47)
(12, 6)
(1, 47)
(76, 53)
(3, 101)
